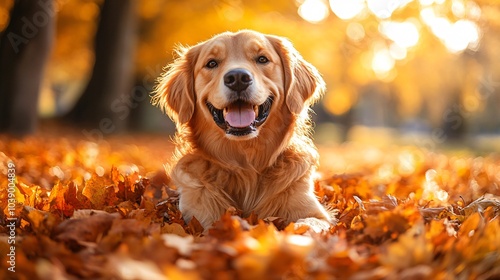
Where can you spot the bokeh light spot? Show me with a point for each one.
(355, 31)
(347, 9)
(313, 11)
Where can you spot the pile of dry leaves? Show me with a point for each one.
(73, 209)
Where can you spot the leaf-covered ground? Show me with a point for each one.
(106, 211)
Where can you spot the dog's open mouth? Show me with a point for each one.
(241, 118)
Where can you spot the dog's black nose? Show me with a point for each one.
(238, 79)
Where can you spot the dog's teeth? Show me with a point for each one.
(256, 110)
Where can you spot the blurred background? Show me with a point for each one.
(422, 72)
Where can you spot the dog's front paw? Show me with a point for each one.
(313, 224)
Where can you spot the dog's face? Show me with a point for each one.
(238, 81)
(238, 78)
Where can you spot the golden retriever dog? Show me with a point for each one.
(240, 102)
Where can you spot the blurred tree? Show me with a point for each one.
(104, 102)
(24, 48)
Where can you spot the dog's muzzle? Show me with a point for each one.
(240, 117)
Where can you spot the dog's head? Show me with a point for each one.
(238, 81)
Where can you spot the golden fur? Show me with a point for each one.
(267, 171)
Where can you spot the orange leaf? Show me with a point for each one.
(99, 192)
(58, 201)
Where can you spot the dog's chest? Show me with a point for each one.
(244, 188)
(248, 190)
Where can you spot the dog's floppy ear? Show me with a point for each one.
(174, 93)
(303, 83)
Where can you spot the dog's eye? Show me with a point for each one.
(211, 64)
(262, 59)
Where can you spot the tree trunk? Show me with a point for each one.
(454, 122)
(24, 48)
(104, 104)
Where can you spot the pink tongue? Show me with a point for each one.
(240, 115)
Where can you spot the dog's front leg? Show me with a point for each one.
(312, 213)
(296, 202)
(199, 199)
